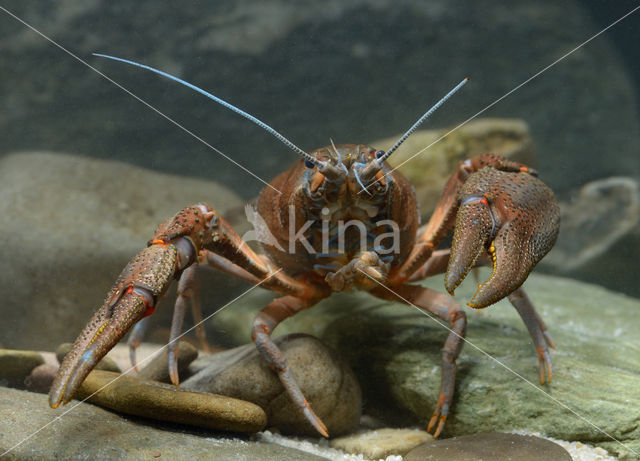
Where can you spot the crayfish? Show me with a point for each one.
(341, 218)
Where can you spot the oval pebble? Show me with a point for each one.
(324, 378)
(495, 446)
(16, 365)
(165, 402)
(158, 367)
(41, 378)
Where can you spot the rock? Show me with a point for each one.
(577, 450)
(325, 380)
(596, 367)
(429, 171)
(396, 353)
(599, 233)
(601, 213)
(164, 402)
(145, 353)
(381, 442)
(70, 224)
(494, 446)
(41, 378)
(106, 364)
(15, 366)
(157, 369)
(110, 436)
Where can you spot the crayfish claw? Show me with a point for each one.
(132, 298)
(511, 216)
(473, 228)
(108, 325)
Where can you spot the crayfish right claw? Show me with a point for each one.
(513, 217)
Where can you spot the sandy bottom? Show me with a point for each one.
(320, 447)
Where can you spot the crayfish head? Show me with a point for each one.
(355, 166)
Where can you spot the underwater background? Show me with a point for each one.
(87, 170)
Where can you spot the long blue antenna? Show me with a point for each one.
(308, 158)
(415, 126)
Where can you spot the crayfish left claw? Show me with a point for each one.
(132, 298)
(514, 217)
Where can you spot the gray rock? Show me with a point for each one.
(495, 447)
(158, 370)
(164, 402)
(396, 353)
(601, 213)
(90, 432)
(599, 236)
(381, 443)
(326, 381)
(41, 378)
(15, 366)
(70, 224)
(106, 364)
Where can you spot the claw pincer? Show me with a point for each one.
(512, 216)
(133, 296)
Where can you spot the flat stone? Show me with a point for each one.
(164, 402)
(106, 364)
(91, 432)
(41, 378)
(489, 447)
(381, 443)
(15, 366)
(325, 380)
(157, 369)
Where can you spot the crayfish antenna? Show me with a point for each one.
(425, 116)
(309, 160)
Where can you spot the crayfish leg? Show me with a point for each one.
(447, 309)
(263, 325)
(537, 330)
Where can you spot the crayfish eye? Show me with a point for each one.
(308, 164)
(379, 153)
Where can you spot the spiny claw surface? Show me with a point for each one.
(132, 297)
(511, 215)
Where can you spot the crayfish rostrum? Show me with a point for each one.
(341, 218)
